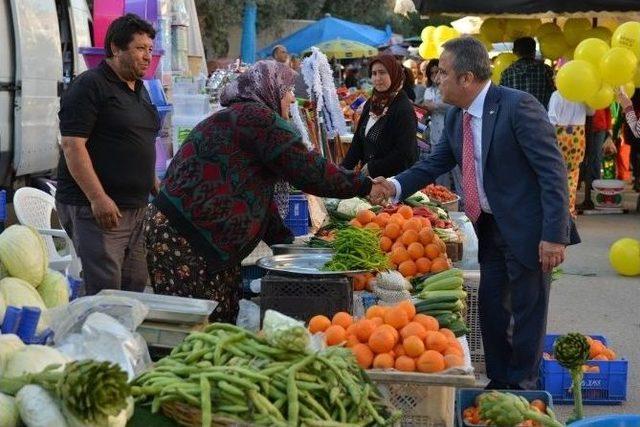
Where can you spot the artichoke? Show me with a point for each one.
(507, 410)
(91, 391)
(572, 351)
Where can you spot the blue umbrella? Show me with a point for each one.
(329, 28)
(248, 47)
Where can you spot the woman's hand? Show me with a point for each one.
(622, 98)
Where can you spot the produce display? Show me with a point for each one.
(229, 372)
(443, 297)
(356, 249)
(439, 193)
(393, 337)
(506, 409)
(572, 351)
(597, 351)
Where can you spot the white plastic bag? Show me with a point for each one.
(248, 315)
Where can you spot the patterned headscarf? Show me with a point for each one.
(265, 82)
(380, 100)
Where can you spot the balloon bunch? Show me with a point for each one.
(433, 38)
(598, 68)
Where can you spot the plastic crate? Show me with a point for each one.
(466, 397)
(250, 273)
(302, 297)
(608, 387)
(609, 421)
(298, 215)
(472, 318)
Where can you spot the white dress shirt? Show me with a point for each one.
(563, 112)
(475, 109)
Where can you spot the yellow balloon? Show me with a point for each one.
(487, 44)
(602, 33)
(441, 34)
(610, 23)
(516, 28)
(602, 98)
(575, 28)
(534, 24)
(617, 66)
(493, 29)
(636, 77)
(591, 50)
(428, 50)
(568, 54)
(427, 33)
(547, 28)
(502, 61)
(627, 35)
(578, 80)
(496, 75)
(629, 88)
(624, 256)
(553, 45)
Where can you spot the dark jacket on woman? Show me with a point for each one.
(390, 147)
(219, 189)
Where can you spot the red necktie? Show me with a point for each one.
(469, 183)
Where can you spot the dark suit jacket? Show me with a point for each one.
(396, 148)
(524, 174)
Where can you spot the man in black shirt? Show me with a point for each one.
(106, 172)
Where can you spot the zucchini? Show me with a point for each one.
(436, 312)
(452, 306)
(452, 272)
(433, 295)
(446, 284)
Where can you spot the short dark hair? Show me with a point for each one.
(122, 30)
(469, 55)
(525, 47)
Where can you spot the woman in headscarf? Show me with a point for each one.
(384, 143)
(216, 202)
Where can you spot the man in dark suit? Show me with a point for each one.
(514, 183)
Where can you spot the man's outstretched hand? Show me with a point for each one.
(381, 191)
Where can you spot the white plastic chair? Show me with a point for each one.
(33, 207)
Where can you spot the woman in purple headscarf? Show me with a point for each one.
(216, 202)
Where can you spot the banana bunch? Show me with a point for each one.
(443, 297)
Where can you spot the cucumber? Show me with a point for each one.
(436, 299)
(433, 295)
(452, 272)
(437, 313)
(446, 284)
(452, 306)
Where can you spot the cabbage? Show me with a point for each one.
(9, 344)
(54, 289)
(19, 293)
(32, 359)
(24, 253)
(350, 207)
(9, 415)
(3, 308)
(284, 332)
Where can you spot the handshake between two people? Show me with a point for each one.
(382, 192)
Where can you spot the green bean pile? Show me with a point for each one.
(357, 249)
(231, 373)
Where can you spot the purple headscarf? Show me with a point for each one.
(265, 82)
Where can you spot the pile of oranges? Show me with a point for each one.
(393, 337)
(409, 241)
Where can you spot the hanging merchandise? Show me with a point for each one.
(296, 119)
(163, 39)
(179, 37)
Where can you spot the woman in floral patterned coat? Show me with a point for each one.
(217, 199)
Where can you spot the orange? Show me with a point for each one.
(409, 237)
(413, 329)
(408, 268)
(453, 343)
(398, 219)
(448, 333)
(335, 334)
(399, 255)
(453, 360)
(436, 341)
(352, 340)
(442, 245)
(381, 341)
(426, 235)
(396, 317)
(393, 331)
(406, 211)
(359, 282)
(453, 350)
(425, 222)
(413, 346)
(399, 350)
(385, 243)
(342, 318)
(412, 224)
(379, 321)
(609, 354)
(351, 330)
(382, 219)
(416, 250)
(363, 355)
(365, 216)
(439, 264)
(430, 323)
(319, 323)
(540, 405)
(430, 361)
(423, 265)
(364, 328)
(432, 251)
(397, 244)
(392, 230)
(408, 307)
(596, 347)
(372, 226)
(383, 361)
(405, 364)
(375, 311)
(600, 357)
(355, 223)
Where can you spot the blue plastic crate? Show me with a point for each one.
(298, 217)
(249, 273)
(609, 421)
(466, 397)
(607, 387)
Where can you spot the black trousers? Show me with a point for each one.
(513, 302)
